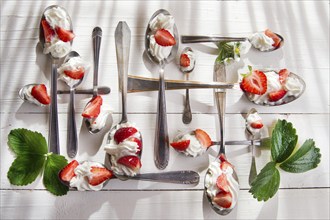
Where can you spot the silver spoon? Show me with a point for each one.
(219, 74)
(72, 141)
(161, 148)
(97, 37)
(187, 116)
(123, 42)
(22, 91)
(54, 144)
(204, 39)
(101, 90)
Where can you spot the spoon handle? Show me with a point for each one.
(72, 141)
(97, 37)
(180, 177)
(187, 116)
(54, 143)
(204, 39)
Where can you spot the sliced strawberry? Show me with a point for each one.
(67, 173)
(93, 108)
(283, 75)
(276, 39)
(184, 60)
(223, 199)
(39, 92)
(99, 175)
(164, 38)
(77, 73)
(257, 124)
(124, 133)
(277, 95)
(224, 162)
(132, 162)
(139, 143)
(203, 138)
(254, 82)
(64, 35)
(181, 145)
(48, 31)
(222, 157)
(222, 183)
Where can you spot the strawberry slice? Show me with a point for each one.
(222, 183)
(184, 60)
(67, 173)
(222, 157)
(277, 95)
(124, 133)
(99, 175)
(257, 124)
(139, 143)
(93, 108)
(164, 38)
(181, 145)
(254, 82)
(276, 39)
(39, 92)
(223, 199)
(224, 162)
(203, 138)
(64, 35)
(132, 162)
(48, 31)
(77, 73)
(283, 75)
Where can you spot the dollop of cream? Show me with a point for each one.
(99, 122)
(56, 16)
(72, 64)
(261, 41)
(57, 48)
(195, 148)
(253, 118)
(192, 57)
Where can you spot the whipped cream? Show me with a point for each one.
(211, 177)
(57, 48)
(192, 57)
(83, 171)
(195, 148)
(125, 148)
(72, 64)
(251, 119)
(261, 41)
(161, 21)
(29, 97)
(99, 122)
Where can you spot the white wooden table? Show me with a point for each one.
(305, 27)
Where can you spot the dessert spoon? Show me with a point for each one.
(101, 90)
(54, 144)
(187, 116)
(161, 148)
(204, 39)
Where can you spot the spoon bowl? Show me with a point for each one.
(21, 92)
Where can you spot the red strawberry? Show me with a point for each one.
(222, 183)
(77, 73)
(283, 74)
(277, 95)
(222, 157)
(132, 162)
(124, 133)
(92, 110)
(257, 124)
(64, 35)
(203, 138)
(48, 31)
(164, 38)
(223, 199)
(99, 175)
(254, 82)
(276, 39)
(39, 92)
(181, 145)
(139, 143)
(184, 60)
(224, 162)
(67, 173)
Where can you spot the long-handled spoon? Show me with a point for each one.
(54, 144)
(204, 39)
(101, 90)
(161, 148)
(187, 116)
(72, 140)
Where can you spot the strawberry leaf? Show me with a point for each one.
(306, 158)
(284, 140)
(54, 164)
(266, 183)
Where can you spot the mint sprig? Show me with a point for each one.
(33, 159)
(283, 144)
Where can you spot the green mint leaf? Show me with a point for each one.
(284, 140)
(266, 183)
(54, 164)
(22, 141)
(306, 158)
(25, 169)
(226, 51)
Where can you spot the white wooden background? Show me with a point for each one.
(305, 27)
